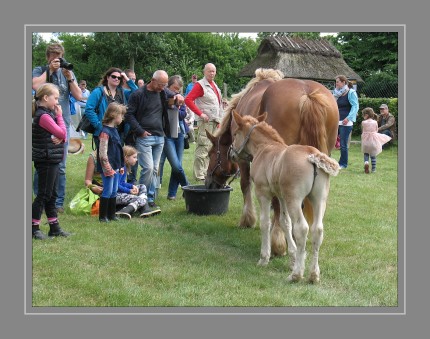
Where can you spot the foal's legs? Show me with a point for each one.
(279, 245)
(319, 199)
(300, 229)
(285, 222)
(248, 213)
(264, 203)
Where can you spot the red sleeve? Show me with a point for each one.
(57, 129)
(195, 93)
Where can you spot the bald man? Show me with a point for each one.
(148, 118)
(205, 101)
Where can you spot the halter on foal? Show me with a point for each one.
(291, 173)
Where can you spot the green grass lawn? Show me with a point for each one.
(180, 259)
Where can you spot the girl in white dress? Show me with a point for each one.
(371, 140)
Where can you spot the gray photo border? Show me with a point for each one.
(413, 191)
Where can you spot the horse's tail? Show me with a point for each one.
(313, 113)
(323, 161)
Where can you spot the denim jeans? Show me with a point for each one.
(150, 149)
(344, 132)
(46, 192)
(110, 186)
(173, 150)
(61, 187)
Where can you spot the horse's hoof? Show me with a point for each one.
(314, 278)
(262, 262)
(294, 278)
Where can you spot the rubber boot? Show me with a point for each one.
(103, 209)
(112, 210)
(126, 211)
(37, 233)
(56, 231)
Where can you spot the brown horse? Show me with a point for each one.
(302, 111)
(291, 173)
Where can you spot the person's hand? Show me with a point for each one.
(124, 76)
(58, 110)
(179, 99)
(345, 121)
(96, 189)
(56, 140)
(204, 117)
(67, 73)
(54, 65)
(146, 134)
(121, 171)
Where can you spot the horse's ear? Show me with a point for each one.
(210, 137)
(262, 117)
(237, 118)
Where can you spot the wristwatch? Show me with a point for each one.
(71, 80)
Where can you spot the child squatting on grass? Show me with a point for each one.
(48, 136)
(132, 196)
(371, 140)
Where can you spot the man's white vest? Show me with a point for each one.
(209, 103)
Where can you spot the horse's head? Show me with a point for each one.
(241, 130)
(220, 168)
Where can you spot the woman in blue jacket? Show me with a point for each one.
(109, 90)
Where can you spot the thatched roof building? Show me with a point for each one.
(299, 58)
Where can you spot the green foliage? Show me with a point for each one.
(183, 53)
(380, 84)
(368, 53)
(374, 103)
(181, 259)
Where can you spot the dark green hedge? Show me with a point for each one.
(374, 103)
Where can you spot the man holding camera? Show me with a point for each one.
(59, 72)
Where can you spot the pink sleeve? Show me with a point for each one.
(57, 129)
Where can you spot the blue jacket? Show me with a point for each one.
(123, 185)
(94, 99)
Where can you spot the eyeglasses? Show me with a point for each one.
(116, 77)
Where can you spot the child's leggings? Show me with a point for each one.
(372, 158)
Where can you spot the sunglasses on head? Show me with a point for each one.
(116, 77)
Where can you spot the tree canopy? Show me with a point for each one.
(373, 55)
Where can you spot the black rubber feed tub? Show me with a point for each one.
(202, 201)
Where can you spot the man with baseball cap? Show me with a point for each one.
(386, 122)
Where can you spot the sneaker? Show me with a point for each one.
(148, 211)
(38, 234)
(366, 167)
(373, 170)
(60, 209)
(171, 198)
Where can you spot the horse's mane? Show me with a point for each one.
(260, 74)
(264, 128)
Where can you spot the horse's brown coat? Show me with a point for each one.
(302, 111)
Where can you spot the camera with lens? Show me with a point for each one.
(65, 64)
